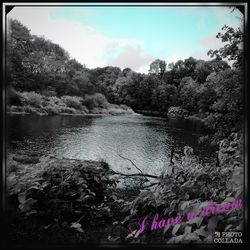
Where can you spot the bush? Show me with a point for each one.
(32, 98)
(85, 109)
(68, 110)
(96, 101)
(177, 112)
(52, 110)
(30, 109)
(72, 101)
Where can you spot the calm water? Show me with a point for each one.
(145, 140)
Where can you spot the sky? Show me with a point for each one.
(128, 36)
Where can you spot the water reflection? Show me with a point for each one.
(145, 140)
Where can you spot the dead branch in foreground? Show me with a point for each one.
(142, 174)
(133, 175)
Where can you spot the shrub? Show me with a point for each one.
(52, 110)
(72, 101)
(68, 110)
(96, 101)
(30, 109)
(177, 112)
(85, 109)
(32, 98)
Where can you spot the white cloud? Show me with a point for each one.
(132, 57)
(176, 56)
(201, 55)
(83, 42)
(211, 42)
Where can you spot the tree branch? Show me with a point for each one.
(131, 162)
(133, 175)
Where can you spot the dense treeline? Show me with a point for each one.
(208, 90)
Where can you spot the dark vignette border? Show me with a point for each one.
(6, 8)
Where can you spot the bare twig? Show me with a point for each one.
(133, 175)
(133, 165)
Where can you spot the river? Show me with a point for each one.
(146, 140)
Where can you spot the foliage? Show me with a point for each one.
(33, 103)
(227, 109)
(188, 187)
(97, 100)
(177, 112)
(233, 50)
(157, 67)
(32, 98)
(68, 195)
(72, 101)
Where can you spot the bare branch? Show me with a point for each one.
(131, 162)
(133, 175)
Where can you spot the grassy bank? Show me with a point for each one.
(34, 103)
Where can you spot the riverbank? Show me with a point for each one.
(72, 201)
(111, 110)
(175, 113)
(35, 103)
(63, 201)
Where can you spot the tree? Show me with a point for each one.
(157, 67)
(233, 50)
(18, 49)
(226, 110)
(188, 93)
(205, 68)
(167, 95)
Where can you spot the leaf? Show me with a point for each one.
(46, 227)
(175, 229)
(228, 227)
(80, 230)
(184, 205)
(188, 229)
(22, 197)
(199, 221)
(229, 199)
(26, 206)
(212, 223)
(92, 193)
(131, 234)
(137, 234)
(176, 239)
(191, 237)
(202, 232)
(166, 229)
(31, 212)
(75, 225)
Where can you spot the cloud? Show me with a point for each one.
(201, 55)
(132, 57)
(84, 43)
(211, 42)
(208, 42)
